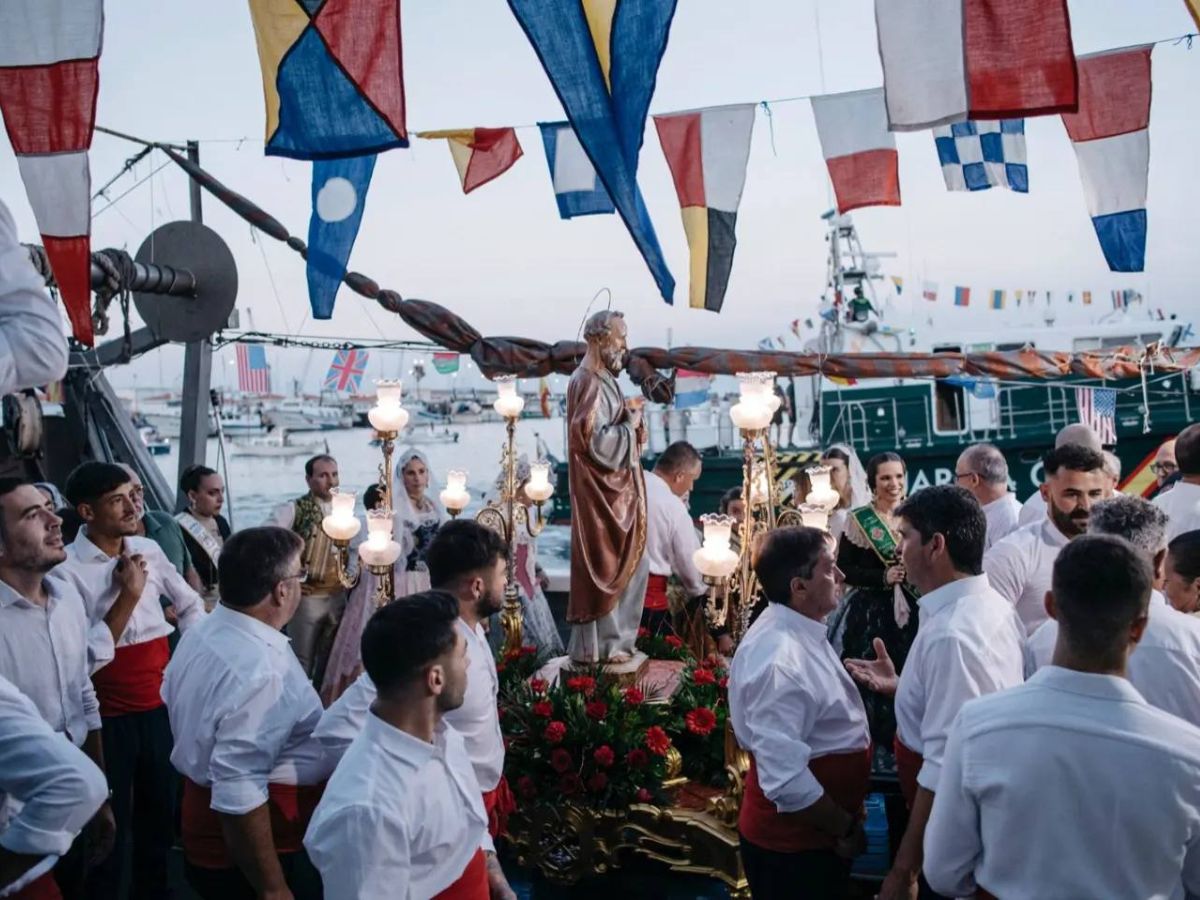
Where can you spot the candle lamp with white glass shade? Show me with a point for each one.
(509, 403)
(822, 493)
(455, 496)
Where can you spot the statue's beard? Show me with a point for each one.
(614, 360)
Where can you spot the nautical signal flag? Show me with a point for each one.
(953, 60)
(577, 189)
(1019, 295)
(480, 154)
(898, 283)
(691, 388)
(859, 150)
(339, 194)
(962, 296)
(346, 371)
(977, 155)
(445, 363)
(997, 300)
(602, 58)
(1111, 137)
(49, 78)
(929, 291)
(707, 151)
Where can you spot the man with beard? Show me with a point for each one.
(43, 649)
(402, 815)
(1034, 509)
(136, 733)
(470, 562)
(609, 566)
(1020, 566)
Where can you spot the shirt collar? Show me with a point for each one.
(1050, 533)
(403, 746)
(1157, 597)
(88, 551)
(1087, 684)
(272, 637)
(797, 623)
(948, 594)
(1000, 501)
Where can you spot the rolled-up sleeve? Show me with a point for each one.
(33, 346)
(248, 741)
(777, 710)
(953, 843)
(189, 606)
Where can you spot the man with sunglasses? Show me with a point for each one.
(242, 713)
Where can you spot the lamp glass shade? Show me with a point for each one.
(387, 414)
(814, 516)
(379, 549)
(341, 524)
(508, 402)
(538, 488)
(455, 497)
(822, 493)
(716, 559)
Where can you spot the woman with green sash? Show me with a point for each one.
(878, 602)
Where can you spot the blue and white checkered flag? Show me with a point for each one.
(977, 155)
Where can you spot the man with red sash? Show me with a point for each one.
(243, 712)
(970, 643)
(671, 537)
(469, 561)
(121, 578)
(402, 817)
(800, 717)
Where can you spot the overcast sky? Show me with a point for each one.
(503, 259)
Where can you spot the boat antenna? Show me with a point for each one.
(595, 297)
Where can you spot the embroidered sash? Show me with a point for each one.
(879, 536)
(201, 535)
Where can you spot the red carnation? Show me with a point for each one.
(723, 684)
(570, 784)
(526, 787)
(543, 708)
(512, 654)
(637, 759)
(604, 756)
(597, 783)
(701, 721)
(643, 632)
(709, 662)
(582, 685)
(560, 760)
(633, 696)
(643, 796)
(555, 732)
(596, 709)
(657, 740)
(529, 650)
(703, 676)
(538, 685)
(673, 641)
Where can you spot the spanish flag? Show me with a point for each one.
(480, 154)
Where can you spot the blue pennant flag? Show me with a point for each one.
(602, 60)
(576, 187)
(339, 193)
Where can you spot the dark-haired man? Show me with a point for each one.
(1182, 502)
(970, 643)
(403, 816)
(1019, 567)
(121, 577)
(800, 717)
(1072, 785)
(671, 537)
(468, 561)
(243, 712)
(323, 598)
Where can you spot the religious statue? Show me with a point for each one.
(605, 436)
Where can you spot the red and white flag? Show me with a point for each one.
(951, 60)
(480, 154)
(49, 76)
(858, 149)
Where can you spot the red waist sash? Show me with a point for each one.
(908, 764)
(290, 805)
(656, 593)
(499, 803)
(43, 888)
(132, 682)
(472, 884)
(844, 776)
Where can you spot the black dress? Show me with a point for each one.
(867, 612)
(204, 566)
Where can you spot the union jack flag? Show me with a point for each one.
(346, 371)
(1098, 410)
(254, 373)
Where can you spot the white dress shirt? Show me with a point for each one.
(48, 788)
(44, 653)
(671, 536)
(791, 701)
(1164, 666)
(400, 818)
(242, 712)
(970, 643)
(33, 346)
(1182, 506)
(1069, 786)
(1032, 510)
(91, 570)
(1001, 518)
(477, 720)
(1021, 567)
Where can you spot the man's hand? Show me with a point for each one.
(853, 845)
(497, 883)
(898, 886)
(102, 834)
(878, 674)
(130, 574)
(894, 575)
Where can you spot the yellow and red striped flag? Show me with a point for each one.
(480, 154)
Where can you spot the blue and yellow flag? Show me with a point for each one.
(602, 58)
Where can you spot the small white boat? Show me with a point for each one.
(153, 441)
(298, 414)
(428, 434)
(278, 443)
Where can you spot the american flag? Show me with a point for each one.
(1098, 410)
(254, 375)
(346, 371)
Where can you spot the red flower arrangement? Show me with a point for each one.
(637, 758)
(538, 685)
(699, 712)
(633, 696)
(570, 784)
(555, 732)
(596, 709)
(701, 721)
(703, 676)
(582, 685)
(526, 787)
(543, 708)
(597, 783)
(604, 756)
(560, 760)
(673, 641)
(643, 795)
(661, 646)
(657, 741)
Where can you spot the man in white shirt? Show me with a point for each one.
(469, 561)
(1165, 665)
(1072, 785)
(1020, 565)
(402, 817)
(121, 577)
(323, 598)
(983, 470)
(49, 790)
(970, 643)
(1034, 509)
(33, 347)
(1182, 502)
(43, 649)
(671, 536)
(242, 714)
(800, 717)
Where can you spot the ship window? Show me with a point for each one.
(948, 400)
(1016, 345)
(1089, 343)
(1124, 341)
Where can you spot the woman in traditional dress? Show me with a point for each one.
(848, 478)
(418, 517)
(204, 528)
(878, 602)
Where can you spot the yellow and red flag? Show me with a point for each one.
(480, 154)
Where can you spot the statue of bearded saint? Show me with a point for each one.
(605, 436)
